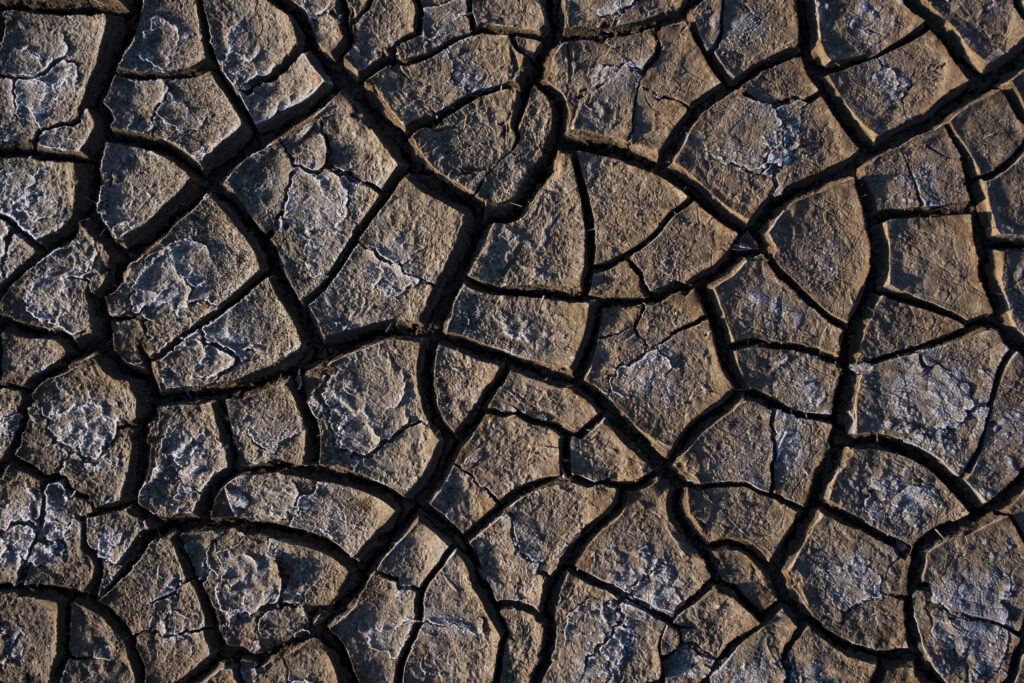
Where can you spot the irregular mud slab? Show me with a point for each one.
(755, 142)
(658, 364)
(897, 87)
(310, 188)
(367, 405)
(47, 64)
(506, 340)
(394, 267)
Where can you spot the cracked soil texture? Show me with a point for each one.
(511, 340)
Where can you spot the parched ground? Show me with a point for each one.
(511, 340)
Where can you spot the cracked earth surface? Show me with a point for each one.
(511, 340)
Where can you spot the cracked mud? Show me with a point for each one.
(511, 340)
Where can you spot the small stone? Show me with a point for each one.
(657, 363)
(851, 582)
(264, 591)
(249, 340)
(80, 426)
(641, 553)
(367, 405)
(343, 515)
(898, 87)
(523, 546)
(544, 331)
(934, 260)
(267, 426)
(891, 493)
(460, 380)
(140, 189)
(185, 454)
